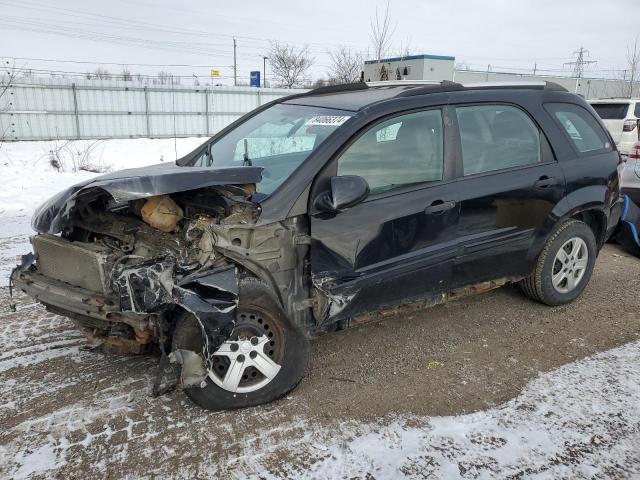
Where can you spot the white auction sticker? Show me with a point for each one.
(328, 120)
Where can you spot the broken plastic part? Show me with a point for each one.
(162, 212)
(193, 372)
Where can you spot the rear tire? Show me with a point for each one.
(289, 349)
(564, 266)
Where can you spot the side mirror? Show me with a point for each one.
(346, 191)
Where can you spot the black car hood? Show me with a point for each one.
(135, 183)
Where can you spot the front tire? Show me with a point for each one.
(264, 358)
(564, 266)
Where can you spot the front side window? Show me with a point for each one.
(278, 139)
(495, 137)
(583, 130)
(405, 150)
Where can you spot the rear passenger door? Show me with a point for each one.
(509, 183)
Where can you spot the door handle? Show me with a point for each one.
(438, 207)
(544, 182)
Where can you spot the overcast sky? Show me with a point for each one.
(506, 34)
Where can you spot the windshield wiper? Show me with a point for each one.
(247, 160)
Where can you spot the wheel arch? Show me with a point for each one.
(586, 205)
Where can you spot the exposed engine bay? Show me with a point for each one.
(140, 254)
(122, 264)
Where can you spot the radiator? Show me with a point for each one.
(77, 263)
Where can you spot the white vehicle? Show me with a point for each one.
(621, 116)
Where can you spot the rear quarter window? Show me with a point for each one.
(583, 130)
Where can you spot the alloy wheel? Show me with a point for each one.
(570, 265)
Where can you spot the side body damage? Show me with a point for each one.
(132, 251)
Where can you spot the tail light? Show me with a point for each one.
(635, 151)
(629, 125)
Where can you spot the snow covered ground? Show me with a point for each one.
(28, 178)
(68, 413)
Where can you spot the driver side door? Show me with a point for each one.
(399, 243)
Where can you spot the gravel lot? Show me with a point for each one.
(70, 413)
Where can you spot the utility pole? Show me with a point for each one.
(580, 62)
(535, 67)
(235, 64)
(264, 72)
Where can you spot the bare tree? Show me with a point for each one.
(7, 79)
(101, 74)
(289, 65)
(404, 49)
(320, 82)
(633, 63)
(126, 75)
(382, 32)
(346, 66)
(167, 78)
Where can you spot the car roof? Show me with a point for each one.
(356, 96)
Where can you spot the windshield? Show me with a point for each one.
(278, 139)
(611, 111)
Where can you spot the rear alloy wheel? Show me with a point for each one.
(570, 265)
(263, 359)
(564, 266)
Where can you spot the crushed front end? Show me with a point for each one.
(120, 254)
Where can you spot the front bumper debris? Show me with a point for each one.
(143, 304)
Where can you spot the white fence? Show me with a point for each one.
(48, 109)
(58, 108)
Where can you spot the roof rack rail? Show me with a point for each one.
(345, 87)
(443, 86)
(402, 83)
(537, 85)
(447, 86)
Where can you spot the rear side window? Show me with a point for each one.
(584, 131)
(611, 111)
(404, 150)
(495, 137)
(636, 111)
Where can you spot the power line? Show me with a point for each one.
(27, 70)
(128, 64)
(138, 24)
(131, 64)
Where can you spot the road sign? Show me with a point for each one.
(215, 73)
(255, 78)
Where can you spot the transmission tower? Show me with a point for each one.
(580, 62)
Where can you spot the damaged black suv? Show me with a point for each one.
(316, 210)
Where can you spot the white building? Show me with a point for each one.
(440, 67)
(411, 67)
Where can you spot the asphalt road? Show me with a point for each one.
(71, 413)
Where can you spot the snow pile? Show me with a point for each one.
(28, 179)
